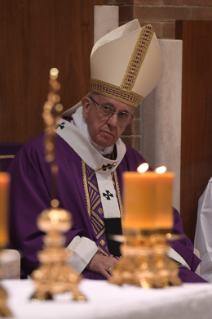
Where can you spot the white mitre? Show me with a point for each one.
(126, 64)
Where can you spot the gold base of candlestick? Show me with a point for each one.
(54, 274)
(54, 277)
(145, 264)
(4, 310)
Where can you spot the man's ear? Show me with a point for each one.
(85, 106)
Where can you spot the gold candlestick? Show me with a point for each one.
(147, 206)
(54, 274)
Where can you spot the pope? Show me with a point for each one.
(126, 65)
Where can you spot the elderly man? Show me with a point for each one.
(126, 65)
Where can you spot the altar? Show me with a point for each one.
(105, 300)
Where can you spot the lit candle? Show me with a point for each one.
(4, 192)
(164, 191)
(139, 200)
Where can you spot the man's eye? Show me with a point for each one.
(107, 108)
(123, 114)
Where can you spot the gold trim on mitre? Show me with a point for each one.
(137, 57)
(124, 92)
(116, 92)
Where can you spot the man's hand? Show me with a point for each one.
(101, 264)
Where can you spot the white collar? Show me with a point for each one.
(81, 145)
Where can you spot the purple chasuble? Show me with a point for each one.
(30, 195)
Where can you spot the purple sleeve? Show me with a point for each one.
(187, 275)
(30, 195)
(184, 246)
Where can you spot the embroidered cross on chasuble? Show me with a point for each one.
(102, 226)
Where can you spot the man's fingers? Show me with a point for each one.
(105, 274)
(102, 265)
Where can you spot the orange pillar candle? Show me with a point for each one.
(4, 192)
(139, 200)
(164, 191)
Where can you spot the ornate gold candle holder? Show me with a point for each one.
(54, 274)
(134, 268)
(147, 206)
(165, 269)
(144, 262)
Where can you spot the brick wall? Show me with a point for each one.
(162, 14)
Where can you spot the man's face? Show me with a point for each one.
(102, 130)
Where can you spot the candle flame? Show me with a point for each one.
(143, 168)
(160, 170)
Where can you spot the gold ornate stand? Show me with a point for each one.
(145, 263)
(165, 269)
(4, 310)
(55, 275)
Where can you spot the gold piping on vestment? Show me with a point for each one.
(103, 252)
(95, 230)
(137, 57)
(115, 92)
(86, 188)
(6, 156)
(85, 182)
(96, 225)
(102, 242)
(92, 195)
(92, 186)
(101, 232)
(100, 210)
(98, 218)
(97, 203)
(91, 176)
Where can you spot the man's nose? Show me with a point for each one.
(113, 120)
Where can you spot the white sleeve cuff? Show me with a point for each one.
(83, 250)
(174, 255)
